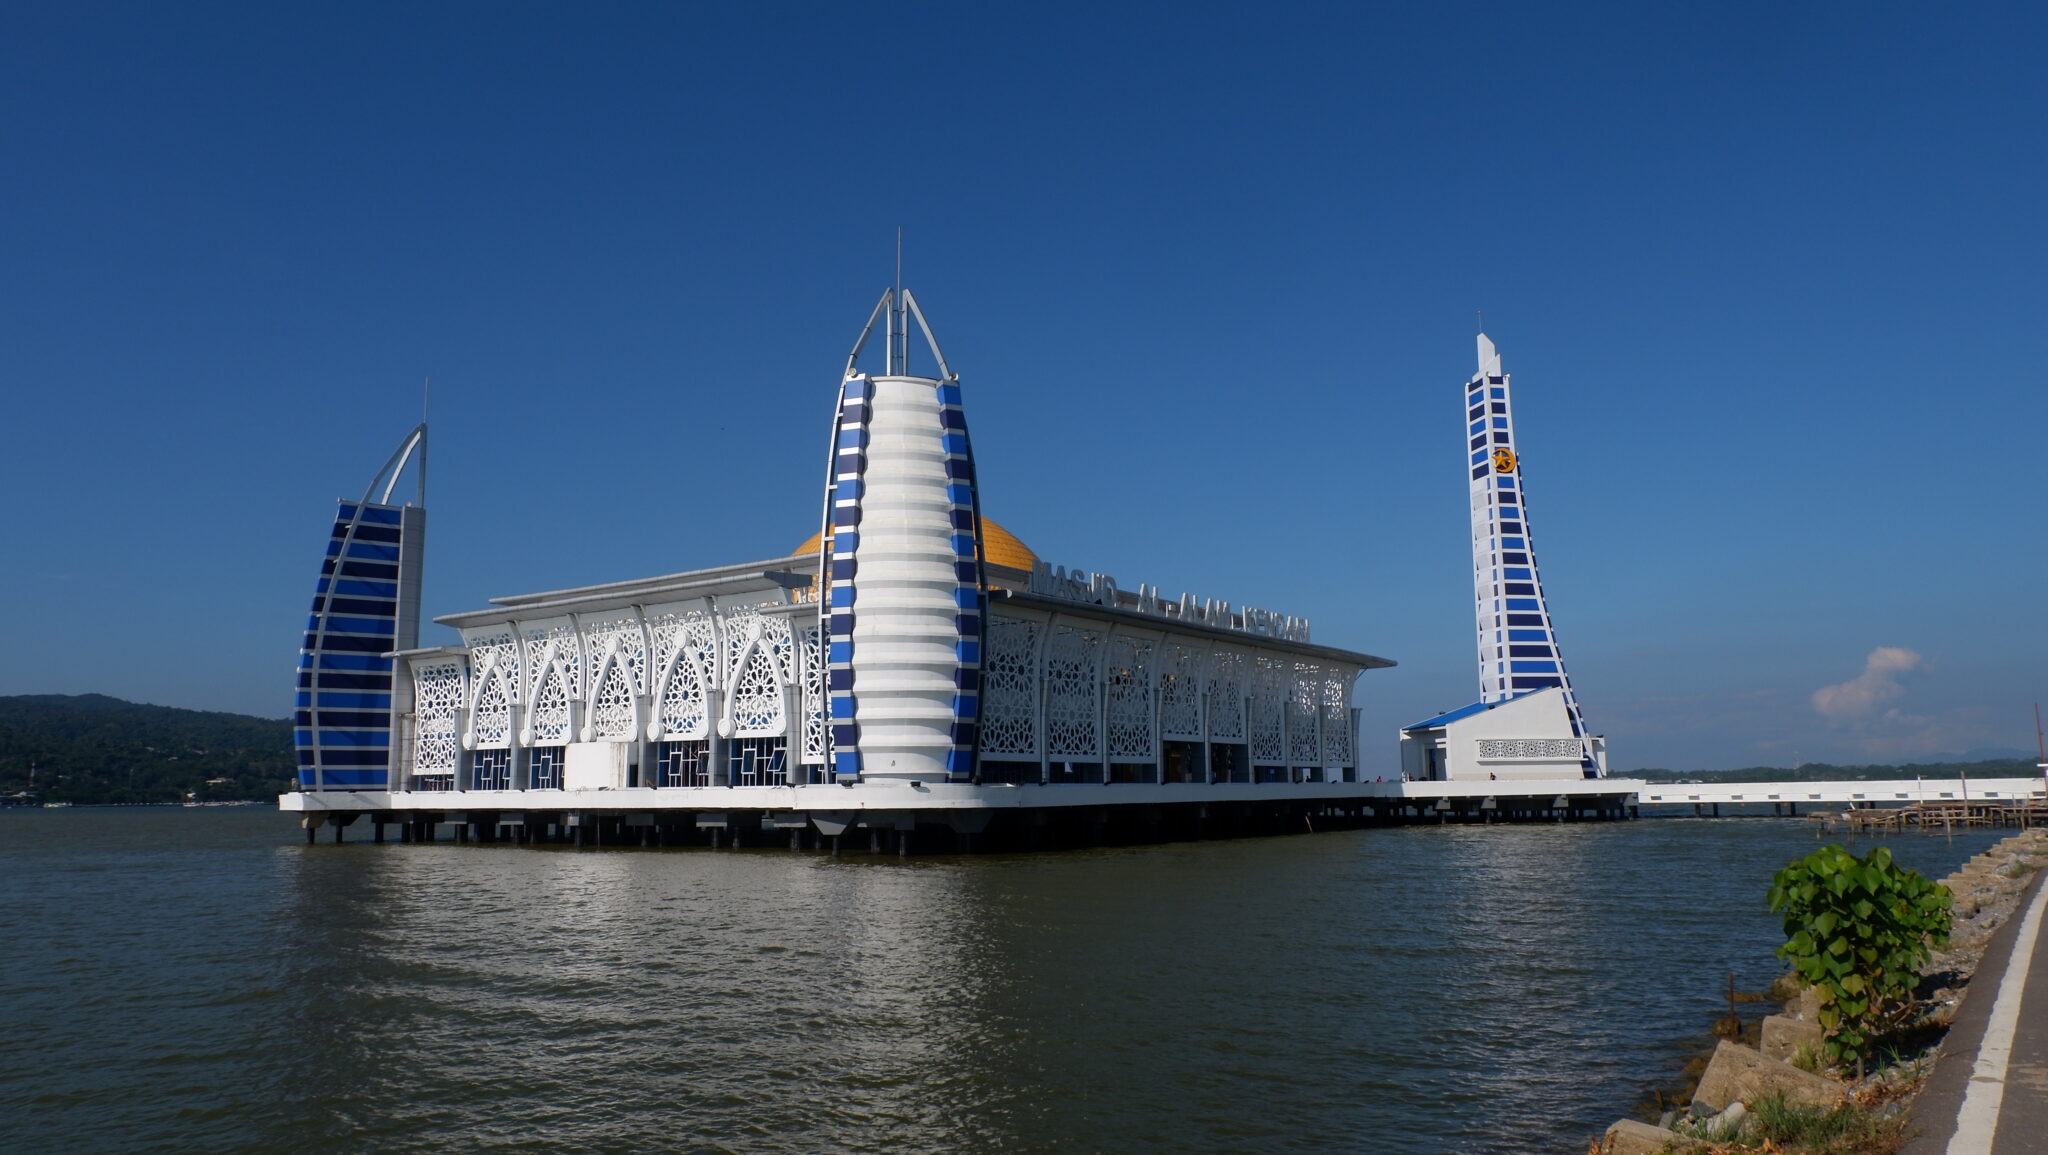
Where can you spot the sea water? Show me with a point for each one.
(203, 980)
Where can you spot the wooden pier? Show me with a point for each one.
(1937, 817)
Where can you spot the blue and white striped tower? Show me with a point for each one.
(366, 604)
(1517, 646)
(901, 551)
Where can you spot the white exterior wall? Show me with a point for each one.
(1496, 743)
(904, 636)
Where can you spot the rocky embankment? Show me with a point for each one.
(1784, 1070)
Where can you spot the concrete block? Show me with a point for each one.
(1784, 1037)
(1739, 1074)
(1629, 1137)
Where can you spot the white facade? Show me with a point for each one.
(1524, 738)
(643, 685)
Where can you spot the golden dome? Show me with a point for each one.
(999, 544)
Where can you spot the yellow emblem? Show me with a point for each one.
(1503, 460)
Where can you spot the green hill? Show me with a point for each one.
(91, 748)
(1827, 772)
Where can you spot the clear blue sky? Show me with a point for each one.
(1768, 278)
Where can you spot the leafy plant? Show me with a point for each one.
(1859, 930)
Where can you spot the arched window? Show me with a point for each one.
(682, 699)
(757, 695)
(611, 710)
(551, 709)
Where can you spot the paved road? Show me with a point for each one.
(1989, 1091)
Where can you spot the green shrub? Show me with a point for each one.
(1859, 929)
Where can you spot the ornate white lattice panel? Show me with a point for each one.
(1549, 749)
(560, 645)
(1337, 749)
(756, 694)
(490, 718)
(1009, 688)
(620, 635)
(738, 626)
(681, 630)
(812, 652)
(1180, 692)
(1270, 680)
(611, 708)
(1304, 716)
(1073, 693)
(684, 714)
(780, 641)
(500, 652)
(437, 697)
(551, 708)
(1127, 686)
(1226, 693)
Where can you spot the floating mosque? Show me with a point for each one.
(909, 673)
(912, 663)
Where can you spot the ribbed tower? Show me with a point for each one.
(902, 551)
(1517, 646)
(367, 604)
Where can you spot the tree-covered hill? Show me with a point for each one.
(1827, 772)
(92, 748)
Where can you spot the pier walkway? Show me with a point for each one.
(1989, 1091)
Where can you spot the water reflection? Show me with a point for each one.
(205, 981)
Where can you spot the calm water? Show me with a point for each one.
(202, 980)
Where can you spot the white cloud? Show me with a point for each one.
(1859, 697)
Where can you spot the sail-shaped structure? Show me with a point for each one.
(1518, 651)
(366, 604)
(901, 549)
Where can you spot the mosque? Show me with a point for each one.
(911, 665)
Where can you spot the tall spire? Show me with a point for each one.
(1517, 647)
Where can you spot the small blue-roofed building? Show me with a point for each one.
(1529, 735)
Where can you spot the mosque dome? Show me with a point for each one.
(999, 544)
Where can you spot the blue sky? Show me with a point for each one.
(1767, 278)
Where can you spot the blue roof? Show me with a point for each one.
(1466, 712)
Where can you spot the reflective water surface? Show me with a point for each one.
(203, 980)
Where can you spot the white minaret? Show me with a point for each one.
(902, 551)
(1517, 646)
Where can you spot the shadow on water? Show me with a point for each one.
(203, 980)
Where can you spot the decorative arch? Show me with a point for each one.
(549, 712)
(490, 724)
(683, 700)
(614, 707)
(755, 703)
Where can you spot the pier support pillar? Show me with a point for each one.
(376, 832)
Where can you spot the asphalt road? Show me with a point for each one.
(1989, 1091)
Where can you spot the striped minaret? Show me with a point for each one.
(902, 557)
(1517, 646)
(365, 605)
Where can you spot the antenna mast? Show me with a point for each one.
(899, 323)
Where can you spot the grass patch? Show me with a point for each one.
(1843, 1130)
